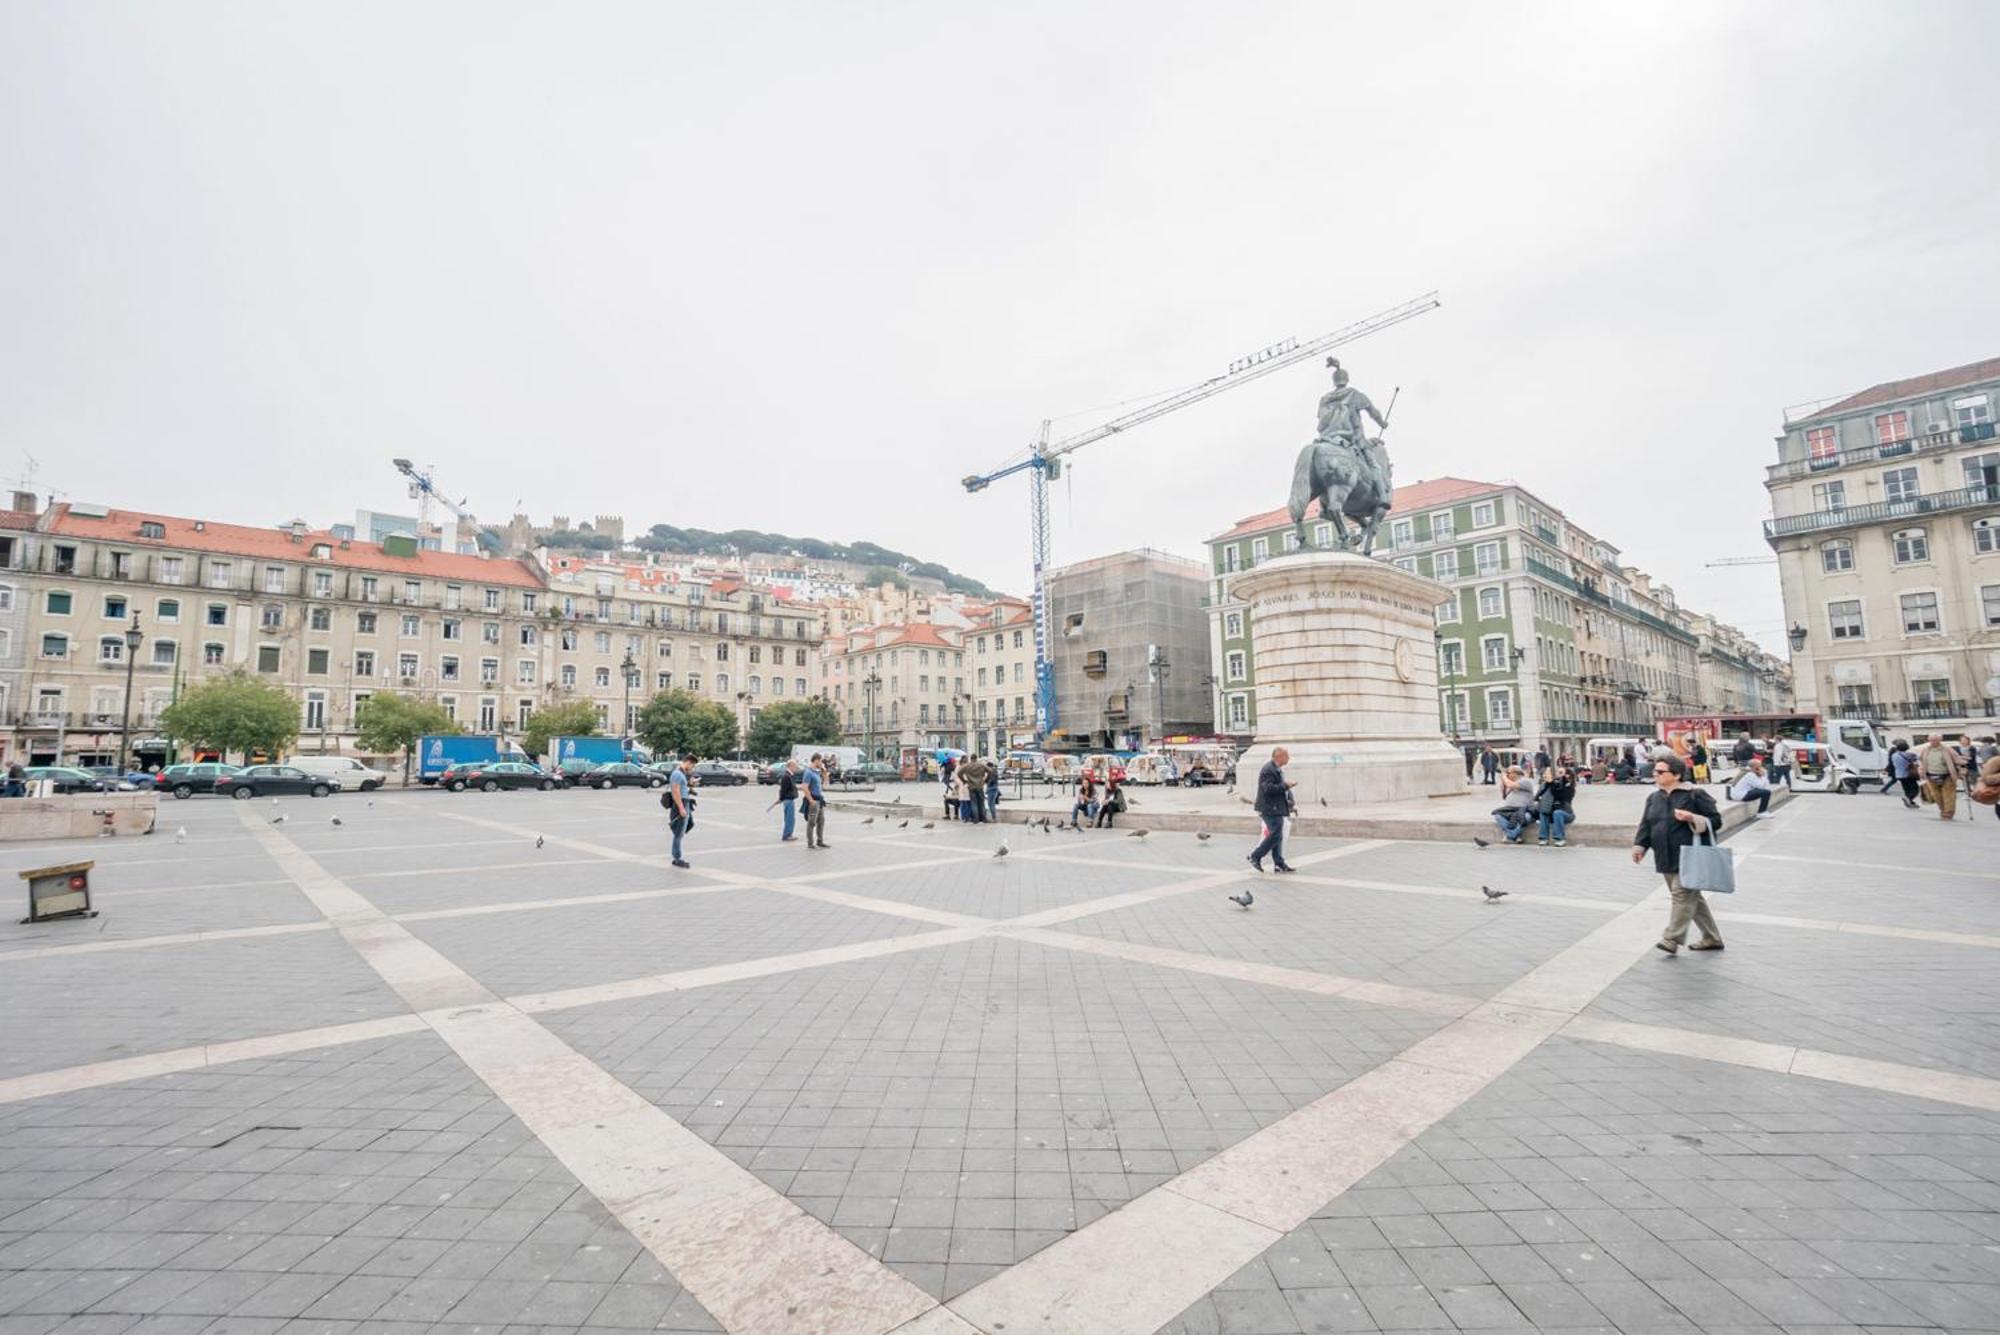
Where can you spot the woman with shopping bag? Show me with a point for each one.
(1677, 813)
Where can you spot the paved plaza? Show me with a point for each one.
(484, 1063)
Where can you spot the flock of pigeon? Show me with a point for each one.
(1046, 825)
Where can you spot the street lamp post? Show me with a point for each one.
(1160, 669)
(134, 637)
(869, 685)
(626, 669)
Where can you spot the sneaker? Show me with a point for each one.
(1253, 862)
(1767, 815)
(1541, 843)
(682, 864)
(1284, 868)
(1562, 843)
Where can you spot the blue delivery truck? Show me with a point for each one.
(596, 751)
(436, 753)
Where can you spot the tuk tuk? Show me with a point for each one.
(1604, 756)
(1149, 768)
(1815, 769)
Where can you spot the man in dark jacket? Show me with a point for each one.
(1675, 812)
(1273, 801)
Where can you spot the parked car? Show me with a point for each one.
(492, 777)
(871, 771)
(748, 769)
(717, 773)
(573, 773)
(270, 780)
(345, 772)
(623, 775)
(70, 779)
(770, 773)
(122, 780)
(184, 781)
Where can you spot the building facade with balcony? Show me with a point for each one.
(720, 639)
(1885, 517)
(1547, 638)
(898, 689)
(330, 619)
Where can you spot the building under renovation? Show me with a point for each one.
(1130, 648)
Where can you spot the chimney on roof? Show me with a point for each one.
(200, 526)
(24, 502)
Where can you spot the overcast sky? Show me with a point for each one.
(803, 266)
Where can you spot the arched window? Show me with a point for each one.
(1910, 545)
(1837, 556)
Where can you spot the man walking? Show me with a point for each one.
(815, 804)
(1781, 763)
(1940, 768)
(788, 798)
(680, 796)
(1273, 801)
(1675, 812)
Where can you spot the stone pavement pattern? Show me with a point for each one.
(323, 1079)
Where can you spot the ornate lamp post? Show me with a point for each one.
(628, 668)
(869, 685)
(134, 637)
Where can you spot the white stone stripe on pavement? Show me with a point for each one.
(166, 939)
(749, 1255)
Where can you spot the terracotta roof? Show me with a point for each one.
(271, 544)
(1413, 496)
(1915, 387)
(24, 519)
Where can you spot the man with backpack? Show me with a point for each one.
(679, 802)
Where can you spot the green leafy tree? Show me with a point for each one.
(574, 718)
(388, 722)
(677, 723)
(234, 713)
(780, 727)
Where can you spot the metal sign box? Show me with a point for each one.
(59, 892)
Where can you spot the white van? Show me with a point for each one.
(345, 772)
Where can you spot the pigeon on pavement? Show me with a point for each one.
(904, 826)
(1137, 834)
(1244, 900)
(1323, 802)
(336, 820)
(869, 821)
(1001, 851)
(1492, 896)
(539, 841)
(930, 825)
(1203, 835)
(1481, 842)
(278, 819)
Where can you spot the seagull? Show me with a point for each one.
(274, 801)
(1203, 835)
(181, 835)
(1244, 900)
(336, 820)
(1492, 896)
(1001, 851)
(930, 825)
(869, 821)
(371, 801)
(1481, 842)
(1137, 834)
(539, 841)
(278, 820)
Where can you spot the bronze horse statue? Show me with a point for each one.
(1349, 483)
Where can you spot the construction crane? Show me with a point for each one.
(423, 488)
(1044, 461)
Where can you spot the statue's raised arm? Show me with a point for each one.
(1343, 468)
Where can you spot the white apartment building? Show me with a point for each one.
(1886, 521)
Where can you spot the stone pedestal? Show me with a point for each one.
(1347, 674)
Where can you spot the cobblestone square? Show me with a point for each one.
(476, 1062)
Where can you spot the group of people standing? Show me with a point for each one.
(971, 789)
(1933, 772)
(802, 794)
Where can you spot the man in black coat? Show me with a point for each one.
(1675, 812)
(1274, 800)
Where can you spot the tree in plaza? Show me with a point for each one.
(388, 722)
(233, 713)
(574, 718)
(677, 723)
(781, 726)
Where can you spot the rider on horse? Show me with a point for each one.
(1343, 464)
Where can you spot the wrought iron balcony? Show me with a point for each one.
(1856, 516)
(1929, 443)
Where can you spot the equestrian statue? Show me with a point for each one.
(1344, 468)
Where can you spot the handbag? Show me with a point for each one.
(1928, 791)
(1708, 867)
